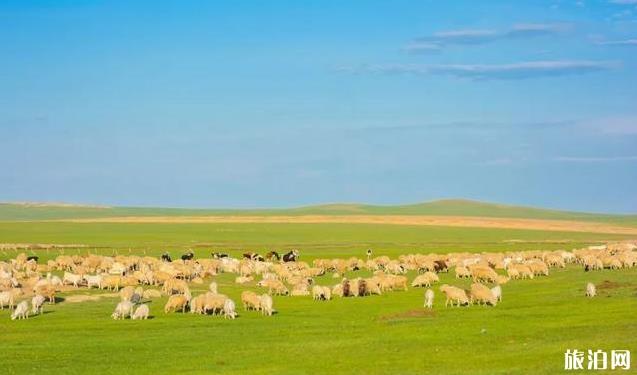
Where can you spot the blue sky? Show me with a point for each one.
(284, 103)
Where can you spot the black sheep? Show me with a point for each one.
(272, 255)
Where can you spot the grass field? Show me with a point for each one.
(389, 334)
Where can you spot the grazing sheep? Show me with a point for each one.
(337, 290)
(318, 293)
(539, 268)
(6, 299)
(21, 311)
(454, 294)
(327, 293)
(93, 281)
(497, 292)
(71, 278)
(151, 293)
(513, 273)
(250, 300)
(274, 287)
(354, 287)
(197, 304)
(214, 303)
(429, 298)
(174, 286)
(141, 312)
(229, 309)
(266, 304)
(345, 289)
(373, 285)
(426, 279)
(484, 274)
(300, 290)
(462, 272)
(47, 291)
(592, 263)
(591, 291)
(482, 294)
(37, 304)
(123, 310)
(177, 302)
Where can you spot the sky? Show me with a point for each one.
(240, 104)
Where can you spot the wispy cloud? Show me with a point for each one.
(627, 42)
(521, 70)
(442, 39)
(496, 162)
(618, 125)
(594, 159)
(422, 47)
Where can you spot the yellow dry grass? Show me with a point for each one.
(447, 221)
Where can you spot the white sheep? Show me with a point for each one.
(123, 310)
(37, 304)
(229, 309)
(6, 298)
(21, 311)
(141, 312)
(266, 304)
(93, 281)
(213, 287)
(429, 298)
(591, 291)
(71, 278)
(497, 292)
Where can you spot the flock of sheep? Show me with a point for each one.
(23, 277)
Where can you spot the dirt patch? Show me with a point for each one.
(409, 314)
(77, 298)
(448, 221)
(609, 285)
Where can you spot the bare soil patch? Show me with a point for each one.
(409, 314)
(77, 298)
(609, 285)
(448, 221)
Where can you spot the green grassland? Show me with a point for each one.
(389, 334)
(447, 207)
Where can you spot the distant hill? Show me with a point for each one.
(446, 207)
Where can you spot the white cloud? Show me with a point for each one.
(480, 36)
(618, 125)
(627, 42)
(519, 70)
(594, 159)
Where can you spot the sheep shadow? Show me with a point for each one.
(57, 299)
